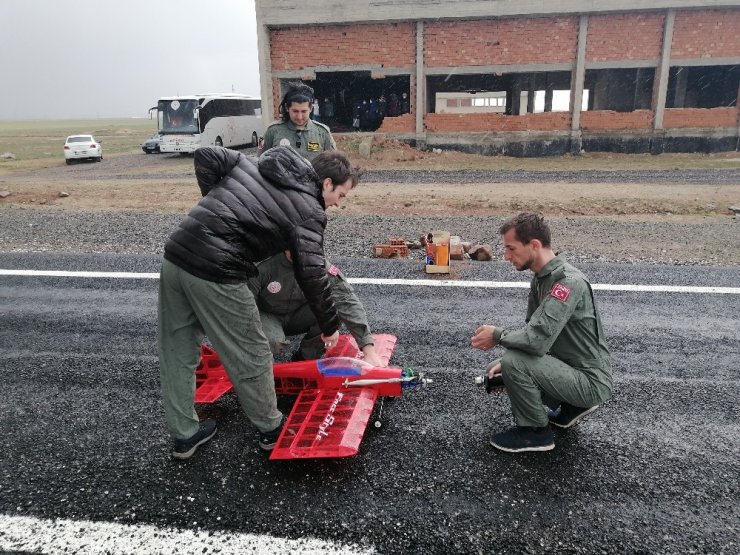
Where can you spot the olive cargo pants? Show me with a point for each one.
(227, 313)
(278, 326)
(533, 381)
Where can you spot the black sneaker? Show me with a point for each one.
(186, 448)
(268, 440)
(523, 438)
(568, 416)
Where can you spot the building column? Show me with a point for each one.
(265, 68)
(737, 105)
(514, 96)
(640, 98)
(421, 82)
(548, 93)
(576, 87)
(662, 71)
(679, 95)
(531, 90)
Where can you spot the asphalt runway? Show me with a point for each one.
(655, 470)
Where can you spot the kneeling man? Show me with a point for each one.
(559, 358)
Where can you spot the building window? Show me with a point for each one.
(621, 90)
(703, 86)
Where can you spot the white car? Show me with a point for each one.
(82, 147)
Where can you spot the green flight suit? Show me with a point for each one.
(561, 354)
(309, 142)
(284, 310)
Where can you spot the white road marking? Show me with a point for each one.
(61, 273)
(82, 537)
(411, 282)
(525, 285)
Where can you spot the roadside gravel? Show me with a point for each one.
(697, 176)
(710, 242)
(660, 237)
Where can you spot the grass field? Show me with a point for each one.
(128, 179)
(43, 139)
(37, 143)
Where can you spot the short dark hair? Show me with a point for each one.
(336, 165)
(297, 92)
(528, 226)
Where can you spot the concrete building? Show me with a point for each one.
(622, 75)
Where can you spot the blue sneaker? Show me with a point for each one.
(186, 448)
(523, 438)
(568, 416)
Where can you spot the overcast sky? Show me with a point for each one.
(115, 58)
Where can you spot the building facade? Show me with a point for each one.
(626, 75)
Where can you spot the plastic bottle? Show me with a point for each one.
(443, 254)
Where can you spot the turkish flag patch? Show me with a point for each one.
(333, 270)
(560, 292)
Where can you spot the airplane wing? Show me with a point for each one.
(330, 415)
(211, 380)
(326, 423)
(335, 396)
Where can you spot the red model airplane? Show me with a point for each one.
(336, 396)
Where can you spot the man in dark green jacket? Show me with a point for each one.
(296, 129)
(284, 309)
(560, 357)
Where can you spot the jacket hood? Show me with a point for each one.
(285, 168)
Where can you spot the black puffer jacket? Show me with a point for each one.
(251, 210)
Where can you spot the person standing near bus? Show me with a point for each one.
(310, 138)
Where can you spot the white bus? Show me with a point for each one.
(188, 122)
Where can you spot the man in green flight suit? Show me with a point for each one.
(297, 129)
(284, 310)
(560, 356)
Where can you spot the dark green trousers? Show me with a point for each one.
(533, 382)
(302, 321)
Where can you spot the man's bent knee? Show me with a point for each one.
(518, 362)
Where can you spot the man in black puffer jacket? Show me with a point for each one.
(250, 210)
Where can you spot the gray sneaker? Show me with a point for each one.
(568, 416)
(186, 448)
